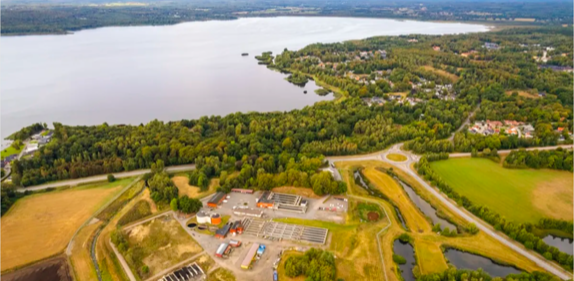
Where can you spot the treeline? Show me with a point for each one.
(315, 265)
(562, 225)
(326, 128)
(163, 191)
(520, 232)
(27, 132)
(265, 172)
(59, 19)
(453, 274)
(486, 153)
(8, 196)
(559, 159)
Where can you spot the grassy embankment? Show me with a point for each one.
(428, 245)
(521, 195)
(10, 151)
(81, 261)
(109, 265)
(41, 225)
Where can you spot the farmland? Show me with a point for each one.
(55, 215)
(520, 195)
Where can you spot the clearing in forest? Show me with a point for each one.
(41, 225)
(441, 72)
(182, 184)
(523, 93)
(521, 195)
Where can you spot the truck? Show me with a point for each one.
(260, 250)
(234, 243)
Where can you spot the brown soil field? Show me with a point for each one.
(54, 269)
(41, 225)
(373, 216)
(302, 191)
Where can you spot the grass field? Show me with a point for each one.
(10, 151)
(519, 195)
(396, 157)
(81, 261)
(41, 225)
(159, 244)
(221, 274)
(182, 183)
(427, 244)
(441, 72)
(523, 93)
(305, 192)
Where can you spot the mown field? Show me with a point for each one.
(182, 184)
(519, 195)
(41, 225)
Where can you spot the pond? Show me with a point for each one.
(406, 251)
(132, 75)
(563, 244)
(426, 208)
(401, 219)
(463, 260)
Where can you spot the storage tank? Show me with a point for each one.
(215, 219)
(203, 218)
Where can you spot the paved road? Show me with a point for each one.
(467, 154)
(123, 262)
(75, 182)
(406, 167)
(466, 122)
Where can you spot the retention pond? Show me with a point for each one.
(464, 260)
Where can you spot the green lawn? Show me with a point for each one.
(519, 195)
(10, 151)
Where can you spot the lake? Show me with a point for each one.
(133, 75)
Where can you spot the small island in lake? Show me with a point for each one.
(298, 79)
(244, 54)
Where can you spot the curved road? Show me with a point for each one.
(406, 167)
(74, 182)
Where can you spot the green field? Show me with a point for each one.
(519, 195)
(10, 151)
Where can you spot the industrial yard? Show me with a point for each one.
(250, 243)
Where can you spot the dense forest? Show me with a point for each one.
(521, 232)
(60, 16)
(347, 125)
(27, 132)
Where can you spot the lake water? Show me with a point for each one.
(185, 71)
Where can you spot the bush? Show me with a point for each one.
(405, 238)
(399, 259)
(111, 178)
(140, 210)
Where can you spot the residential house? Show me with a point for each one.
(491, 46)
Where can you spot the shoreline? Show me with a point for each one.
(492, 26)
